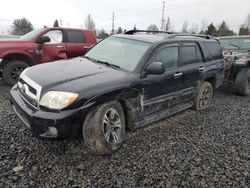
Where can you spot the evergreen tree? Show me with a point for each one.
(119, 30)
(244, 30)
(211, 30)
(56, 24)
(21, 26)
(153, 27)
(224, 30)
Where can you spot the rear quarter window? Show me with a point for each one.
(214, 49)
(75, 36)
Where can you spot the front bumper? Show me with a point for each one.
(67, 123)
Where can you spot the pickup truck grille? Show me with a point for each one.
(29, 91)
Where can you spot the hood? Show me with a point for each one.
(75, 75)
(14, 40)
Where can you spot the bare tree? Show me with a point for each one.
(185, 27)
(194, 28)
(89, 23)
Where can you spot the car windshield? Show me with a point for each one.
(124, 53)
(31, 34)
(235, 43)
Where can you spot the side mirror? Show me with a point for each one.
(155, 68)
(43, 39)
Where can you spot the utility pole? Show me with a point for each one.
(163, 21)
(113, 23)
(61, 22)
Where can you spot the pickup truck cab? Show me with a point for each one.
(125, 81)
(41, 46)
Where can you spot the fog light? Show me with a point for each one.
(52, 131)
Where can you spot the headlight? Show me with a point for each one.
(58, 100)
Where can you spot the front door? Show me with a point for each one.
(159, 91)
(55, 49)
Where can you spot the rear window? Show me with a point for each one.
(75, 36)
(214, 50)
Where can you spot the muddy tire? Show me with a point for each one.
(242, 82)
(104, 129)
(203, 97)
(12, 71)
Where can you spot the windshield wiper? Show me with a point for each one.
(109, 64)
(91, 59)
(103, 62)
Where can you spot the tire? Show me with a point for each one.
(98, 131)
(203, 97)
(242, 82)
(12, 71)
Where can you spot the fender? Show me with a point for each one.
(131, 100)
(16, 53)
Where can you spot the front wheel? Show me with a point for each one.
(203, 96)
(12, 71)
(104, 128)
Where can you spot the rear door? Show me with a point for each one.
(190, 72)
(76, 43)
(55, 49)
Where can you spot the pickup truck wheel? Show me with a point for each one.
(104, 129)
(242, 82)
(203, 96)
(12, 71)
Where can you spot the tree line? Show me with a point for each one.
(23, 26)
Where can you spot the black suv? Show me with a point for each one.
(126, 81)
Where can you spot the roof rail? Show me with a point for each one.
(131, 32)
(171, 34)
(189, 35)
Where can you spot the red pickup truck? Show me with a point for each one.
(41, 46)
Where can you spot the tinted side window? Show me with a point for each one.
(214, 49)
(168, 56)
(75, 36)
(188, 54)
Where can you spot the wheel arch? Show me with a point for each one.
(16, 56)
(129, 99)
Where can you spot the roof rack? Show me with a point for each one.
(131, 32)
(171, 34)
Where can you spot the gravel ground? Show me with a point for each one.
(191, 149)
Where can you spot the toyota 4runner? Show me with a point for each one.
(126, 81)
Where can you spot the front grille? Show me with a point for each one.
(29, 92)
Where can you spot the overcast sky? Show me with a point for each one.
(142, 13)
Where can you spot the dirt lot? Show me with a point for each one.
(191, 149)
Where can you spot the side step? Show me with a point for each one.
(162, 114)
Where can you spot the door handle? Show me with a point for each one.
(86, 47)
(60, 46)
(179, 74)
(201, 69)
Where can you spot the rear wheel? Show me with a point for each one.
(242, 82)
(104, 129)
(12, 71)
(203, 96)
